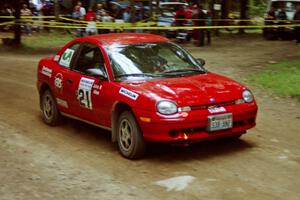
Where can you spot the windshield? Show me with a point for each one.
(151, 60)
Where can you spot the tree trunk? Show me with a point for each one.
(56, 10)
(17, 27)
(243, 14)
(226, 6)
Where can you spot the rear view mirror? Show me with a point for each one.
(95, 72)
(201, 61)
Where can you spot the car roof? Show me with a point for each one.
(126, 38)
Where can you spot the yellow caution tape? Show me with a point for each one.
(117, 26)
(6, 23)
(28, 17)
(7, 17)
(153, 19)
(138, 25)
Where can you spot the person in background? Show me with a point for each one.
(195, 10)
(77, 16)
(126, 14)
(201, 18)
(116, 12)
(180, 16)
(100, 11)
(272, 14)
(297, 21)
(82, 9)
(6, 11)
(107, 18)
(208, 24)
(47, 10)
(90, 17)
(281, 16)
(33, 8)
(141, 14)
(25, 11)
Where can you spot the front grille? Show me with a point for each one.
(206, 106)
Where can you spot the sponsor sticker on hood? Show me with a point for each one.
(128, 93)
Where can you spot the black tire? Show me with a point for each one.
(51, 114)
(130, 139)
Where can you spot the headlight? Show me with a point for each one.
(247, 96)
(167, 107)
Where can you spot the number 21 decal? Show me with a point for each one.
(84, 92)
(84, 98)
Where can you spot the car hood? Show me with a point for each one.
(189, 90)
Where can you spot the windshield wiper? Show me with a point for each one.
(139, 75)
(184, 71)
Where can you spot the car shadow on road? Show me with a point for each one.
(197, 151)
(100, 138)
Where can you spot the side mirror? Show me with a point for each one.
(95, 72)
(201, 61)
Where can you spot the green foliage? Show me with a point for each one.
(257, 8)
(282, 79)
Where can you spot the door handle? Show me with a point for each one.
(69, 81)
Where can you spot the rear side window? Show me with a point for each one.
(67, 56)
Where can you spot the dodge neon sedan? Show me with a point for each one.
(143, 88)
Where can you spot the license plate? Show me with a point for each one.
(219, 122)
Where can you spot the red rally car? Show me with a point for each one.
(142, 87)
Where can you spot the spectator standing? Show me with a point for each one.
(141, 15)
(106, 19)
(100, 11)
(202, 19)
(208, 24)
(90, 17)
(195, 11)
(271, 14)
(47, 10)
(6, 11)
(116, 12)
(25, 11)
(77, 16)
(297, 21)
(126, 14)
(281, 16)
(180, 20)
(180, 16)
(82, 9)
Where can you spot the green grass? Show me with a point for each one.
(40, 43)
(282, 79)
(53, 39)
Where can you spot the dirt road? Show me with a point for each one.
(78, 161)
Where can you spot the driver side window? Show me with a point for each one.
(90, 57)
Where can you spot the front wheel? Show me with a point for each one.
(51, 115)
(130, 139)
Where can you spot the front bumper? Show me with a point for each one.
(194, 127)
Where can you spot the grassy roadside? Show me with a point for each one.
(40, 43)
(282, 79)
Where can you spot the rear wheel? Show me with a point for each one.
(51, 115)
(130, 139)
